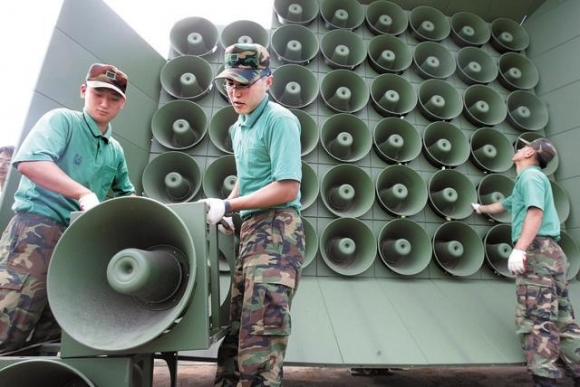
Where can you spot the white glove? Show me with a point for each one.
(226, 225)
(517, 261)
(215, 208)
(88, 201)
(476, 207)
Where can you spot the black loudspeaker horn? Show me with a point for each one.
(172, 177)
(296, 11)
(294, 43)
(468, 29)
(404, 247)
(396, 140)
(389, 54)
(508, 35)
(179, 124)
(428, 23)
(194, 36)
(526, 111)
(220, 128)
(531, 136)
(187, 77)
(445, 145)
(342, 49)
(491, 151)
(439, 100)
(494, 188)
(385, 17)
(572, 252)
(458, 249)
(344, 91)
(483, 106)
(433, 60)
(244, 31)
(311, 239)
(309, 135)
(346, 137)
(294, 86)
(220, 177)
(401, 191)
(498, 247)
(393, 95)
(474, 65)
(341, 14)
(348, 246)
(561, 200)
(347, 191)
(309, 186)
(451, 194)
(517, 72)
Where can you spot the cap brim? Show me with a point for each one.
(242, 76)
(99, 84)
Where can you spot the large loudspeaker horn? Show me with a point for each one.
(428, 23)
(517, 72)
(483, 106)
(172, 177)
(445, 145)
(348, 246)
(43, 372)
(474, 65)
(219, 85)
(433, 60)
(187, 77)
(294, 86)
(220, 128)
(404, 246)
(531, 136)
(561, 200)
(311, 239)
(508, 35)
(346, 137)
(393, 95)
(389, 54)
(385, 17)
(494, 188)
(341, 14)
(396, 140)
(179, 124)
(451, 194)
(194, 36)
(309, 186)
(244, 31)
(342, 49)
(309, 135)
(498, 247)
(344, 91)
(468, 29)
(296, 11)
(347, 191)
(458, 249)
(439, 100)
(526, 112)
(220, 177)
(401, 190)
(572, 252)
(491, 151)
(294, 43)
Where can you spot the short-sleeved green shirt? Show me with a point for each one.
(72, 140)
(532, 189)
(267, 148)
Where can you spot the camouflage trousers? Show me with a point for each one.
(25, 250)
(544, 315)
(265, 279)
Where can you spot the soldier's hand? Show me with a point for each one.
(517, 261)
(226, 225)
(215, 209)
(88, 201)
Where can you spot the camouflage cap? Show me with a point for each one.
(545, 151)
(245, 63)
(108, 76)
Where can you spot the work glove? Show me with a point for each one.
(215, 209)
(476, 207)
(226, 226)
(88, 201)
(517, 261)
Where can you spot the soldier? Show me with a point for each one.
(5, 158)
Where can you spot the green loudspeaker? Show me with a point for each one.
(348, 246)
(187, 77)
(179, 124)
(219, 84)
(393, 95)
(296, 11)
(344, 91)
(526, 111)
(404, 246)
(294, 86)
(347, 191)
(43, 372)
(341, 14)
(220, 128)
(433, 60)
(498, 247)
(483, 106)
(309, 186)
(311, 239)
(517, 72)
(396, 140)
(384, 17)
(346, 137)
(458, 249)
(294, 43)
(244, 31)
(220, 177)
(494, 188)
(561, 200)
(428, 23)
(342, 49)
(172, 177)
(389, 54)
(531, 136)
(468, 29)
(445, 145)
(451, 194)
(474, 65)
(308, 131)
(572, 252)
(508, 35)
(194, 36)
(439, 100)
(491, 151)
(401, 191)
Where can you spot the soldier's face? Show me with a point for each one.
(244, 100)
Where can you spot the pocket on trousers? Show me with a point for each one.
(536, 297)
(11, 279)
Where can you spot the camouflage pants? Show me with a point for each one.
(264, 281)
(25, 250)
(544, 315)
